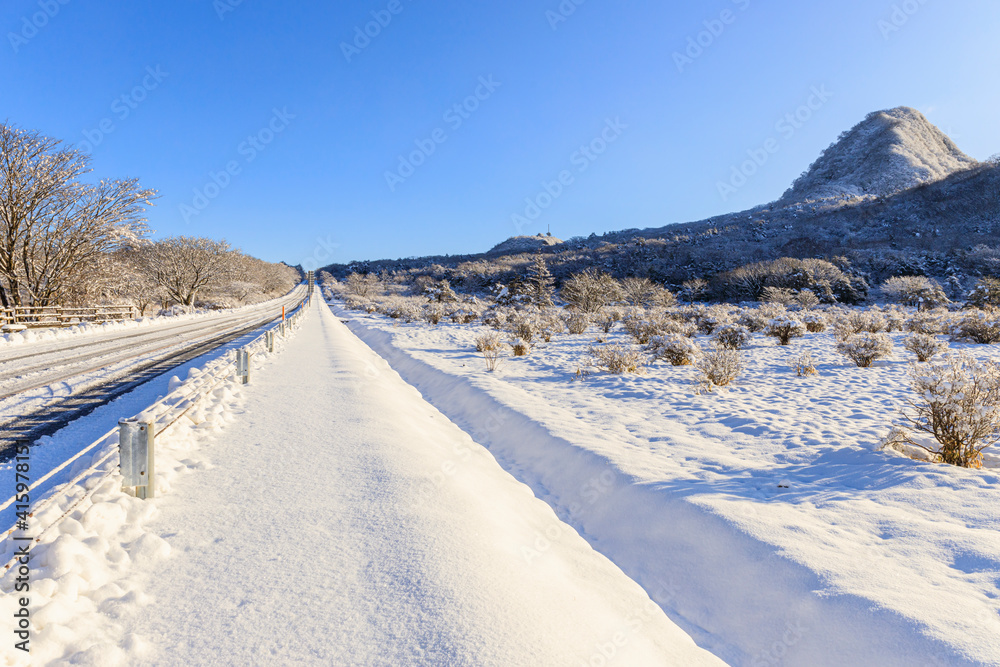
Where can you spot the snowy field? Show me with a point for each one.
(782, 533)
(302, 520)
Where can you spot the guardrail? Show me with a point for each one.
(59, 316)
(132, 441)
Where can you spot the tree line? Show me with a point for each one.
(66, 241)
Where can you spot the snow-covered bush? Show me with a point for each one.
(785, 329)
(618, 358)
(432, 313)
(804, 364)
(589, 291)
(986, 293)
(353, 302)
(779, 295)
(676, 349)
(523, 325)
(576, 322)
(924, 323)
(490, 345)
(895, 319)
(643, 325)
(753, 319)
(672, 325)
(924, 346)
(919, 291)
(642, 292)
(364, 285)
(864, 348)
(719, 367)
(490, 340)
(712, 318)
(440, 292)
(401, 308)
(807, 299)
(860, 321)
(815, 322)
(463, 315)
(978, 327)
(608, 318)
(957, 403)
(519, 347)
(549, 324)
(732, 336)
(496, 317)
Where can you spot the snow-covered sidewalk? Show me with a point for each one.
(344, 520)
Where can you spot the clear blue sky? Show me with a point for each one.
(318, 191)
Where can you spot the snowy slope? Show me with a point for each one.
(866, 559)
(887, 152)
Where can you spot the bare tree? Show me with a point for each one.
(590, 290)
(53, 227)
(185, 267)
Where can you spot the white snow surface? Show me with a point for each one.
(761, 518)
(337, 519)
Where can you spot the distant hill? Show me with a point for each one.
(888, 152)
(892, 196)
(516, 244)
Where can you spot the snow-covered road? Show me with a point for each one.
(53, 376)
(324, 533)
(92, 352)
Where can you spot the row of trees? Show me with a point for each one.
(66, 241)
(186, 271)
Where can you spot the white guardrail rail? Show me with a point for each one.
(131, 444)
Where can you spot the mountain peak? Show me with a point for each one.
(889, 151)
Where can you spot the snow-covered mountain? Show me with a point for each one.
(889, 151)
(892, 196)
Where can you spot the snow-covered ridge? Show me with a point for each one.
(889, 151)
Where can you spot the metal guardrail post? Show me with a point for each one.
(269, 341)
(243, 365)
(136, 453)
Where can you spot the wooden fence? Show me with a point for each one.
(58, 316)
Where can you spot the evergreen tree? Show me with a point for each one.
(540, 282)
